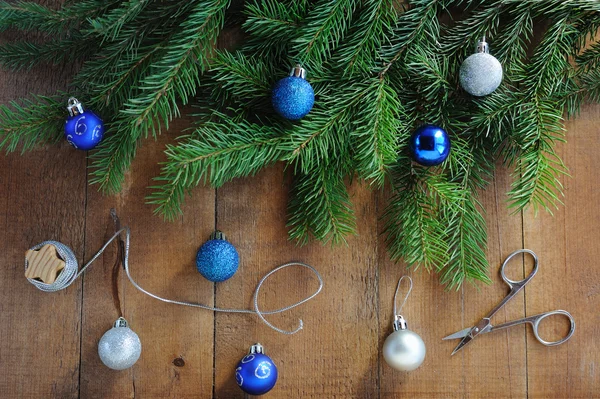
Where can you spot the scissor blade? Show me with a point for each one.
(458, 334)
(468, 338)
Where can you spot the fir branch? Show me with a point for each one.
(369, 32)
(416, 26)
(247, 79)
(109, 25)
(326, 130)
(414, 232)
(114, 154)
(467, 236)
(271, 24)
(216, 153)
(31, 122)
(540, 124)
(322, 30)
(25, 54)
(27, 15)
(174, 76)
(377, 127)
(319, 206)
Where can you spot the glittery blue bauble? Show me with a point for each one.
(430, 145)
(217, 260)
(256, 374)
(84, 131)
(293, 97)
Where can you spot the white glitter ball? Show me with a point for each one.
(119, 348)
(480, 74)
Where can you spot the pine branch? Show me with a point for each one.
(540, 125)
(271, 24)
(173, 77)
(416, 26)
(322, 30)
(467, 236)
(319, 206)
(414, 232)
(24, 54)
(26, 15)
(215, 154)
(110, 24)
(31, 122)
(369, 32)
(375, 135)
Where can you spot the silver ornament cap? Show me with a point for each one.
(403, 349)
(481, 73)
(120, 347)
(298, 72)
(74, 106)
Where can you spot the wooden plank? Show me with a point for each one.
(177, 341)
(492, 367)
(495, 365)
(43, 197)
(335, 356)
(567, 278)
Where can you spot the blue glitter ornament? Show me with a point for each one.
(429, 145)
(217, 259)
(293, 97)
(83, 129)
(256, 373)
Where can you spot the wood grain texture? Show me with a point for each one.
(42, 197)
(191, 353)
(177, 341)
(568, 274)
(339, 337)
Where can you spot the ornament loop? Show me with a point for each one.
(396, 310)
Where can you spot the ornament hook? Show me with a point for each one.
(399, 322)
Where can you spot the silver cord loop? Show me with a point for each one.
(396, 311)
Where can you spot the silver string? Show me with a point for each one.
(405, 298)
(70, 276)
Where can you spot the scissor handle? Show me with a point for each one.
(535, 322)
(519, 283)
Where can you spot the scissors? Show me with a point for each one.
(484, 325)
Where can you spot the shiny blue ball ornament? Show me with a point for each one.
(83, 128)
(293, 97)
(256, 373)
(429, 145)
(217, 259)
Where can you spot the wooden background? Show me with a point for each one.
(48, 341)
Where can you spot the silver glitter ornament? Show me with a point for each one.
(481, 73)
(403, 349)
(119, 348)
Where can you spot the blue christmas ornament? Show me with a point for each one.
(83, 129)
(293, 97)
(256, 373)
(429, 145)
(217, 259)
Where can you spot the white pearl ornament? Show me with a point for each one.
(403, 350)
